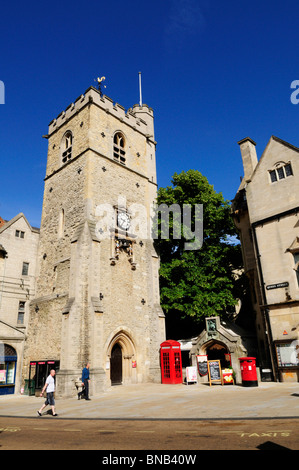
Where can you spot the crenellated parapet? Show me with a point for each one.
(139, 118)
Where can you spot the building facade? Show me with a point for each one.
(97, 288)
(266, 213)
(18, 256)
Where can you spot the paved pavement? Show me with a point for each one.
(159, 401)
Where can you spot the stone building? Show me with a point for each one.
(266, 213)
(226, 342)
(97, 288)
(18, 255)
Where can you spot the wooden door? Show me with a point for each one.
(116, 362)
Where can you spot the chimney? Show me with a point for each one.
(249, 157)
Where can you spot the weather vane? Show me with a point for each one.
(100, 85)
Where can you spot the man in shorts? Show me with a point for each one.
(50, 386)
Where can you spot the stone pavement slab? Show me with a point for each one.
(159, 401)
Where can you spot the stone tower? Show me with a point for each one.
(97, 292)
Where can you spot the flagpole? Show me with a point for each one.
(140, 92)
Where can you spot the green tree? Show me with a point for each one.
(197, 283)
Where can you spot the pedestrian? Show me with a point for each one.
(85, 383)
(50, 387)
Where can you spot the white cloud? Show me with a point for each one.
(186, 20)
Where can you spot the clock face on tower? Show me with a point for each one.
(123, 220)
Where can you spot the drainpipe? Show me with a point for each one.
(2, 288)
(264, 307)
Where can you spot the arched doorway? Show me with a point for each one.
(121, 353)
(116, 369)
(216, 350)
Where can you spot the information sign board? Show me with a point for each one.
(202, 364)
(215, 373)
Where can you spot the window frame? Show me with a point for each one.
(67, 147)
(20, 234)
(25, 268)
(279, 172)
(21, 312)
(119, 151)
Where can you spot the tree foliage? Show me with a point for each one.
(198, 283)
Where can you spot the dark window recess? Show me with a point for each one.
(119, 152)
(67, 147)
(288, 170)
(273, 176)
(280, 173)
(20, 234)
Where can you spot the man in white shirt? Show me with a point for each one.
(50, 386)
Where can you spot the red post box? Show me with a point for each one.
(171, 362)
(248, 371)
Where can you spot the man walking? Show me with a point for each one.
(50, 387)
(85, 382)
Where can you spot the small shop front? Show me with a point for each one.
(38, 373)
(8, 365)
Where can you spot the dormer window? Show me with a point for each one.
(67, 143)
(281, 172)
(119, 153)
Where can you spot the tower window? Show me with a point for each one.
(281, 172)
(67, 147)
(119, 153)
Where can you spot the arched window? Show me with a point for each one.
(119, 153)
(281, 171)
(66, 146)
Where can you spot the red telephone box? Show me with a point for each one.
(171, 362)
(248, 371)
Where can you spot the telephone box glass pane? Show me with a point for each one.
(177, 364)
(166, 368)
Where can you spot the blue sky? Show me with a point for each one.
(213, 71)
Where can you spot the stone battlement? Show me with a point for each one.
(92, 95)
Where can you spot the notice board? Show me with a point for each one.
(215, 373)
(191, 374)
(202, 364)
